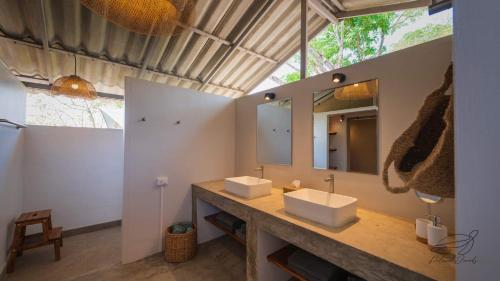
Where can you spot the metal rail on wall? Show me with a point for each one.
(17, 125)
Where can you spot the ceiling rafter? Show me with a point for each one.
(322, 10)
(337, 4)
(295, 50)
(146, 52)
(242, 36)
(88, 56)
(225, 42)
(45, 42)
(384, 9)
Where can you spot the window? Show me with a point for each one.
(47, 110)
(357, 39)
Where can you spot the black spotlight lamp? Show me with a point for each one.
(338, 78)
(269, 96)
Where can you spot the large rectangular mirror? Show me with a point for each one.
(345, 128)
(274, 132)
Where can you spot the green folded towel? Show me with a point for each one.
(178, 229)
(182, 227)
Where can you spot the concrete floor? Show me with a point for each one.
(96, 256)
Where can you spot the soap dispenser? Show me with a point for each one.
(436, 233)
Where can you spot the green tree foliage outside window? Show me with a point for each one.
(425, 34)
(356, 39)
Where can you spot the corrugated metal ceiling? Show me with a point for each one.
(108, 53)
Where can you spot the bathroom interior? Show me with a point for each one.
(381, 168)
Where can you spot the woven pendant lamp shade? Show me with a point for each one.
(73, 86)
(358, 91)
(155, 17)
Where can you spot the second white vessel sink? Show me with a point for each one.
(248, 187)
(330, 209)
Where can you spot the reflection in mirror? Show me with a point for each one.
(274, 132)
(429, 200)
(345, 128)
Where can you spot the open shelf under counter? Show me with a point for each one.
(376, 246)
(212, 219)
(280, 259)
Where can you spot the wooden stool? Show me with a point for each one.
(50, 235)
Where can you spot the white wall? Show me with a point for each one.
(200, 148)
(477, 154)
(405, 79)
(12, 107)
(76, 172)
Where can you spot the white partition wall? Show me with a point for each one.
(477, 135)
(182, 134)
(76, 172)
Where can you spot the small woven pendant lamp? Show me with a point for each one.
(73, 86)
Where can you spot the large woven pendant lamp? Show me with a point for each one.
(73, 86)
(155, 17)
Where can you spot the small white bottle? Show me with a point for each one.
(421, 229)
(437, 233)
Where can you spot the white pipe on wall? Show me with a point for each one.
(161, 216)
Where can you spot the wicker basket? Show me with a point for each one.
(180, 247)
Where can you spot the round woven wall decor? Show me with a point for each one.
(155, 17)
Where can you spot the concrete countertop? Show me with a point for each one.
(375, 242)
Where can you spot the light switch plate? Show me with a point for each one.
(161, 181)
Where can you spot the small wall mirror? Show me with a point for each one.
(274, 132)
(345, 128)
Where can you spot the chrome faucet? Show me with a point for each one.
(331, 180)
(261, 170)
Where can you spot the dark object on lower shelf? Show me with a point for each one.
(229, 220)
(354, 278)
(304, 266)
(213, 220)
(314, 268)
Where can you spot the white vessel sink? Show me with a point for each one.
(248, 187)
(330, 209)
